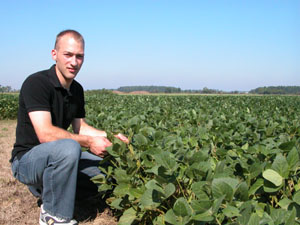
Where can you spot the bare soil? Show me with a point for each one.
(132, 93)
(19, 206)
(118, 92)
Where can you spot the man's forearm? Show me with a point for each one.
(55, 133)
(82, 128)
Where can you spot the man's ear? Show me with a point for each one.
(54, 54)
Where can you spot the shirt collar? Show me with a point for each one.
(55, 81)
(53, 77)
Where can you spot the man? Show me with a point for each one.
(47, 157)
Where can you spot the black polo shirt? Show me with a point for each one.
(42, 91)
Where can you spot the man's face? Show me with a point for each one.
(69, 56)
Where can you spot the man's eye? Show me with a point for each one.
(68, 55)
(79, 56)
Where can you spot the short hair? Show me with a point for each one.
(73, 33)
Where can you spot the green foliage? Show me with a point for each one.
(201, 159)
(8, 106)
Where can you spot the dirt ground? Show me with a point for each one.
(19, 206)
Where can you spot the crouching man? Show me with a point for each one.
(47, 157)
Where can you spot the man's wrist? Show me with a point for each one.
(89, 141)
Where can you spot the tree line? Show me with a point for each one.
(168, 89)
(151, 89)
(292, 90)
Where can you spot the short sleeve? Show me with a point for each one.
(36, 93)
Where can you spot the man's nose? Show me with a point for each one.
(74, 61)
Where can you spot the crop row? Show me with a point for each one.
(8, 106)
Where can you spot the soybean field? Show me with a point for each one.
(197, 159)
(200, 159)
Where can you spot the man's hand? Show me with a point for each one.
(98, 145)
(122, 138)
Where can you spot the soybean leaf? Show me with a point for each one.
(205, 217)
(152, 184)
(153, 169)
(122, 189)
(134, 121)
(197, 189)
(128, 217)
(254, 219)
(246, 210)
(170, 217)
(169, 190)
(242, 191)
(152, 198)
(284, 203)
(293, 158)
(291, 218)
(255, 170)
(165, 176)
(266, 219)
(104, 187)
(259, 183)
(116, 203)
(140, 140)
(113, 150)
(136, 192)
(296, 197)
(280, 165)
(181, 208)
(269, 187)
(201, 206)
(279, 215)
(166, 160)
(99, 179)
(224, 186)
(217, 203)
(287, 146)
(159, 220)
(121, 176)
(273, 176)
(231, 211)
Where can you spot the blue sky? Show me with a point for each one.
(226, 45)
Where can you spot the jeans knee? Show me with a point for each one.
(69, 150)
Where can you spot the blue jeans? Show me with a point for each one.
(53, 168)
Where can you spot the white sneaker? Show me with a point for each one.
(47, 219)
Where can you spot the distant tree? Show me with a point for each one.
(5, 89)
(206, 90)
